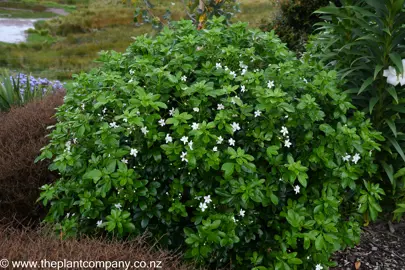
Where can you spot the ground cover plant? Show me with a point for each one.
(219, 141)
(364, 41)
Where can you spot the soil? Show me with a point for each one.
(382, 247)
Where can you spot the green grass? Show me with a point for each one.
(96, 25)
(25, 13)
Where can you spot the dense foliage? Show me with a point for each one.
(364, 40)
(219, 141)
(295, 21)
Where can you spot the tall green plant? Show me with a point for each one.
(13, 93)
(364, 40)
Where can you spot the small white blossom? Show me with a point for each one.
(287, 143)
(243, 72)
(235, 126)
(233, 219)
(215, 149)
(196, 109)
(184, 78)
(162, 122)
(183, 156)
(134, 152)
(257, 113)
(203, 206)
(226, 68)
(297, 189)
(197, 197)
(270, 84)
(99, 223)
(195, 126)
(173, 4)
(231, 142)
(318, 267)
(220, 140)
(284, 130)
(356, 158)
(190, 144)
(242, 212)
(104, 110)
(184, 139)
(305, 80)
(218, 65)
(131, 72)
(233, 73)
(220, 107)
(243, 89)
(118, 205)
(171, 112)
(207, 199)
(144, 130)
(347, 157)
(125, 161)
(113, 125)
(74, 140)
(168, 138)
(82, 106)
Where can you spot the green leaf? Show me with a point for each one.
(372, 103)
(400, 173)
(397, 147)
(319, 242)
(272, 151)
(365, 84)
(93, 174)
(392, 127)
(377, 70)
(393, 93)
(228, 168)
(396, 59)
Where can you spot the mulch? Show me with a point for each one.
(382, 247)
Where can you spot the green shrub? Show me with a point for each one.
(295, 21)
(364, 40)
(219, 141)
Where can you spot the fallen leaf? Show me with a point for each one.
(357, 265)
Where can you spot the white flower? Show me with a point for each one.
(203, 206)
(183, 156)
(356, 158)
(287, 143)
(74, 140)
(215, 149)
(144, 130)
(173, 3)
(233, 73)
(226, 68)
(270, 84)
(233, 219)
(231, 142)
(104, 110)
(134, 152)
(82, 106)
(207, 199)
(131, 72)
(131, 81)
(184, 139)
(297, 189)
(190, 144)
(305, 80)
(218, 65)
(318, 267)
(184, 78)
(196, 109)
(171, 112)
(99, 223)
(235, 126)
(220, 107)
(257, 113)
(242, 212)
(125, 161)
(168, 138)
(392, 76)
(118, 205)
(243, 72)
(162, 122)
(243, 89)
(220, 140)
(195, 126)
(284, 130)
(113, 125)
(347, 157)
(233, 100)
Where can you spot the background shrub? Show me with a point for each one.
(364, 41)
(22, 135)
(295, 21)
(35, 245)
(219, 141)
